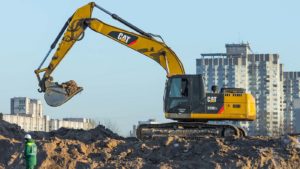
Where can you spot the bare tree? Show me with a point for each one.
(112, 126)
(93, 123)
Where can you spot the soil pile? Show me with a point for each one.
(71, 87)
(11, 130)
(101, 148)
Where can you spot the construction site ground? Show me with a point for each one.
(101, 148)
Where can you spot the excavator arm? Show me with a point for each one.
(73, 31)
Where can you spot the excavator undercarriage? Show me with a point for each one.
(187, 130)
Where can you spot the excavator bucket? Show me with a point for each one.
(58, 94)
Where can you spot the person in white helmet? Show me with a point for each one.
(30, 152)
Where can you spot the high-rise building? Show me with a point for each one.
(26, 106)
(225, 69)
(291, 88)
(28, 114)
(260, 74)
(19, 105)
(296, 106)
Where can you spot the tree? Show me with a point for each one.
(112, 126)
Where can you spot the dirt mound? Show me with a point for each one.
(85, 136)
(101, 148)
(11, 130)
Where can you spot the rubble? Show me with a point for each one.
(101, 148)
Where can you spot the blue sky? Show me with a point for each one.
(123, 86)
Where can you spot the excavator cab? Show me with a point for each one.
(183, 93)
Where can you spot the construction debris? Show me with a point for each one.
(101, 148)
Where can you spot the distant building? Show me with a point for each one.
(149, 121)
(296, 104)
(28, 114)
(261, 74)
(74, 123)
(26, 106)
(225, 69)
(27, 122)
(291, 88)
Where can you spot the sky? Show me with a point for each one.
(121, 86)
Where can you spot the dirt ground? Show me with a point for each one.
(101, 148)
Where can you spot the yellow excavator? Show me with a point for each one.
(185, 99)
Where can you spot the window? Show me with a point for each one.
(179, 88)
(175, 87)
(21, 101)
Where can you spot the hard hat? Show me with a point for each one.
(27, 136)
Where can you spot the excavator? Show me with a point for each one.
(195, 111)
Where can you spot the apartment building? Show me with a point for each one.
(28, 114)
(296, 105)
(260, 74)
(291, 88)
(26, 106)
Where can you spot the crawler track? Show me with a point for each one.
(188, 130)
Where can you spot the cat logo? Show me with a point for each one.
(211, 99)
(124, 37)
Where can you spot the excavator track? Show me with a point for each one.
(187, 130)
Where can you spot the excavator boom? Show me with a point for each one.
(142, 42)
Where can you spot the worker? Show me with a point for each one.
(30, 152)
(214, 88)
